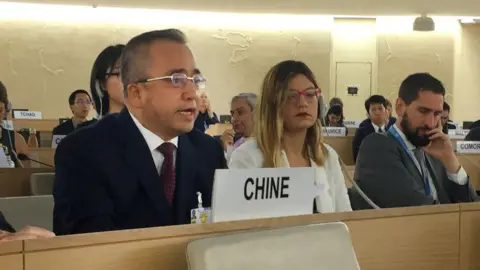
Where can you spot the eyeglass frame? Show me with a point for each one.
(170, 77)
(299, 93)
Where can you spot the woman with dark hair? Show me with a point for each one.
(334, 117)
(288, 134)
(105, 83)
(11, 142)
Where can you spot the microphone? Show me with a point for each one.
(354, 184)
(25, 157)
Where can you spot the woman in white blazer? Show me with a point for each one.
(288, 133)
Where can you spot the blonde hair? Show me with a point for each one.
(269, 120)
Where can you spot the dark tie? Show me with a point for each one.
(380, 130)
(167, 173)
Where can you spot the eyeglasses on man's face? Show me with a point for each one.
(180, 80)
(83, 102)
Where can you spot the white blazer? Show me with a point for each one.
(331, 197)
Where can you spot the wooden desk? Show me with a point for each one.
(45, 155)
(470, 236)
(11, 257)
(16, 182)
(218, 129)
(343, 146)
(395, 239)
(471, 164)
(44, 125)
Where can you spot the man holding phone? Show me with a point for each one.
(414, 163)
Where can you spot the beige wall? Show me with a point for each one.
(43, 61)
(406, 53)
(467, 74)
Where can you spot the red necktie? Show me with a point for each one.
(167, 172)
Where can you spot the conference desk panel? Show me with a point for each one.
(16, 182)
(471, 164)
(470, 236)
(45, 155)
(11, 257)
(40, 125)
(404, 238)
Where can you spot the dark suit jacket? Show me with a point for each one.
(363, 131)
(4, 225)
(389, 177)
(473, 135)
(67, 127)
(368, 121)
(106, 178)
(203, 120)
(360, 135)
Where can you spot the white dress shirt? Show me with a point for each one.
(153, 142)
(376, 128)
(332, 193)
(460, 178)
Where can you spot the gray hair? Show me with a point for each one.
(135, 56)
(250, 97)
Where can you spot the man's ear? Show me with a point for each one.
(400, 107)
(71, 108)
(134, 95)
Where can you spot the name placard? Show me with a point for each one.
(57, 139)
(334, 131)
(352, 123)
(468, 147)
(458, 133)
(27, 115)
(262, 193)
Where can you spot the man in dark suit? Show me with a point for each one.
(80, 104)
(376, 107)
(414, 163)
(144, 166)
(446, 123)
(473, 135)
(8, 233)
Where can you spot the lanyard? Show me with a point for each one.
(397, 136)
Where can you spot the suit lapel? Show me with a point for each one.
(186, 170)
(139, 158)
(410, 164)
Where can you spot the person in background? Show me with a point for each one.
(335, 118)
(80, 105)
(206, 116)
(242, 109)
(288, 134)
(12, 142)
(335, 101)
(414, 163)
(145, 164)
(376, 107)
(473, 135)
(445, 117)
(389, 119)
(105, 84)
(8, 233)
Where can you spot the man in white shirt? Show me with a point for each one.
(414, 162)
(376, 107)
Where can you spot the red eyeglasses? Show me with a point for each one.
(310, 94)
